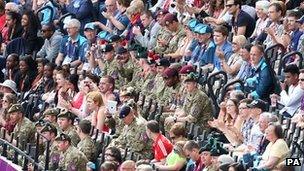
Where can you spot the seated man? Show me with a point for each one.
(72, 47)
(260, 84)
(291, 93)
(196, 108)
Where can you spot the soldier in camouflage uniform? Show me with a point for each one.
(197, 106)
(172, 24)
(49, 133)
(24, 128)
(133, 135)
(86, 144)
(65, 121)
(107, 62)
(70, 157)
(126, 66)
(50, 115)
(163, 38)
(172, 90)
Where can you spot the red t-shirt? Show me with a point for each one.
(2, 21)
(161, 147)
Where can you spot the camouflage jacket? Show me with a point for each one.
(87, 146)
(73, 135)
(72, 160)
(25, 132)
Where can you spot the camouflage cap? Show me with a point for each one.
(40, 122)
(129, 91)
(15, 108)
(51, 111)
(63, 137)
(48, 127)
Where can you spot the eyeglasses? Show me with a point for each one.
(109, 154)
(229, 5)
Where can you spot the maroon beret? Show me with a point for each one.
(170, 72)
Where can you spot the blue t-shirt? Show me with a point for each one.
(124, 20)
(73, 51)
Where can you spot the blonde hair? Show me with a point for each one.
(240, 40)
(96, 97)
(136, 6)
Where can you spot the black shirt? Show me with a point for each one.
(244, 19)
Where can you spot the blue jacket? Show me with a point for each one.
(260, 84)
(82, 9)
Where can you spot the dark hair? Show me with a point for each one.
(2, 6)
(107, 166)
(34, 25)
(278, 131)
(292, 68)
(237, 167)
(283, 167)
(115, 154)
(238, 2)
(190, 145)
(259, 47)
(15, 56)
(247, 101)
(51, 26)
(147, 13)
(43, 61)
(73, 79)
(51, 65)
(278, 7)
(153, 126)
(12, 98)
(18, 28)
(124, 3)
(247, 46)
(93, 77)
(32, 65)
(221, 29)
(111, 80)
(85, 126)
(178, 129)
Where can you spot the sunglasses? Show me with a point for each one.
(229, 5)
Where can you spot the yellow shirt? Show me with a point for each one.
(277, 149)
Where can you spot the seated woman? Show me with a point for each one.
(234, 63)
(38, 82)
(27, 74)
(178, 133)
(8, 100)
(97, 110)
(176, 160)
(277, 150)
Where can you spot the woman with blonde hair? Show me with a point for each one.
(97, 108)
(176, 160)
(234, 63)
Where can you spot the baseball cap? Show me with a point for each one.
(186, 69)
(63, 137)
(89, 26)
(170, 72)
(103, 35)
(124, 111)
(258, 104)
(163, 62)
(15, 108)
(10, 84)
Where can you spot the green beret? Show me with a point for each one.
(51, 111)
(48, 127)
(15, 108)
(66, 114)
(63, 137)
(192, 76)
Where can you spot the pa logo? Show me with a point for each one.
(293, 162)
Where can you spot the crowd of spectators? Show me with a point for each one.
(137, 72)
